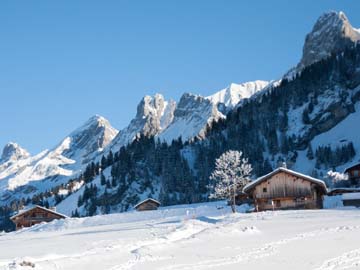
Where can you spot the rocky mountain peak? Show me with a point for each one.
(12, 151)
(332, 32)
(193, 113)
(91, 137)
(153, 115)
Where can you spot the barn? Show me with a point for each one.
(286, 189)
(148, 204)
(35, 215)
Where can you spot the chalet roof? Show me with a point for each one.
(146, 200)
(282, 169)
(40, 207)
(351, 167)
(344, 190)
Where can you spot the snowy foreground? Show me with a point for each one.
(202, 236)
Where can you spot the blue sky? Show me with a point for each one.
(64, 61)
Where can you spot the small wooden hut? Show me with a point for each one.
(35, 215)
(286, 189)
(148, 204)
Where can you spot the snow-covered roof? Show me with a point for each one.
(146, 200)
(348, 189)
(351, 196)
(352, 166)
(282, 169)
(37, 206)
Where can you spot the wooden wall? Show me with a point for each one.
(149, 205)
(34, 216)
(287, 191)
(354, 172)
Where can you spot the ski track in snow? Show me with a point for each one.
(348, 260)
(257, 253)
(181, 233)
(261, 252)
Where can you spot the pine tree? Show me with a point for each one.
(310, 152)
(102, 179)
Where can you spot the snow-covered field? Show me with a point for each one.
(201, 236)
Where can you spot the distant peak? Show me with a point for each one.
(332, 32)
(96, 120)
(332, 14)
(92, 124)
(232, 95)
(151, 105)
(13, 151)
(331, 20)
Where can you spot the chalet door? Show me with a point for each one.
(277, 203)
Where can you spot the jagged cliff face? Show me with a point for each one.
(13, 152)
(153, 115)
(85, 142)
(192, 115)
(331, 33)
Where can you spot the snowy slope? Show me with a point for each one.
(341, 134)
(200, 236)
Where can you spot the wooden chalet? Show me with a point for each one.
(35, 215)
(354, 173)
(286, 189)
(148, 204)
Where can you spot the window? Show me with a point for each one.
(264, 189)
(356, 173)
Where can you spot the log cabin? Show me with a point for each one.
(286, 189)
(148, 204)
(354, 173)
(35, 215)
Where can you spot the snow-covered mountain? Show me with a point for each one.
(52, 167)
(154, 114)
(191, 117)
(231, 95)
(13, 152)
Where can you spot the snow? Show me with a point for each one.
(340, 134)
(351, 196)
(333, 202)
(193, 113)
(199, 236)
(232, 95)
(54, 167)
